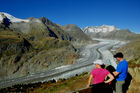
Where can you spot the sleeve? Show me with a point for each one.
(119, 68)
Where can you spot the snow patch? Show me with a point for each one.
(97, 29)
(64, 66)
(11, 18)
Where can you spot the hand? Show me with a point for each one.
(105, 82)
(88, 85)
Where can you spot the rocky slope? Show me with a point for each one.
(132, 52)
(32, 46)
(75, 32)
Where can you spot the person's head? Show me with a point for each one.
(119, 56)
(98, 63)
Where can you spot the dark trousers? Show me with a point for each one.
(102, 88)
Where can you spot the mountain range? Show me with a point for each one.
(32, 45)
(37, 44)
(109, 32)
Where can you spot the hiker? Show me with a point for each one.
(121, 72)
(111, 69)
(99, 74)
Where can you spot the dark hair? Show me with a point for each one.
(103, 66)
(119, 55)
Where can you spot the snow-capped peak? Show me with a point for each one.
(103, 28)
(11, 18)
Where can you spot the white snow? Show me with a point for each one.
(64, 66)
(12, 18)
(97, 29)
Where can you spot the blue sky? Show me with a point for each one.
(124, 14)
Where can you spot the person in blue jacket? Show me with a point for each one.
(121, 72)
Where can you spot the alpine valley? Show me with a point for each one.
(36, 45)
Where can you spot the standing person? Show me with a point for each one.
(121, 72)
(99, 74)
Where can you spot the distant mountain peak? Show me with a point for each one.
(11, 18)
(71, 27)
(97, 29)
